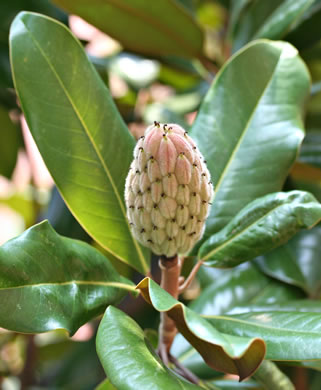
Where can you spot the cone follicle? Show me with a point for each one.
(168, 188)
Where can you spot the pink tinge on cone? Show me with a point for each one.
(168, 191)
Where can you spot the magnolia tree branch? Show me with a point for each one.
(171, 282)
(174, 284)
(171, 269)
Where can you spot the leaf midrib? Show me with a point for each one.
(145, 18)
(259, 325)
(244, 132)
(81, 120)
(72, 282)
(222, 341)
(222, 246)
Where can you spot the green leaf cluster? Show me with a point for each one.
(249, 126)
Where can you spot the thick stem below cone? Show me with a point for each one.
(171, 269)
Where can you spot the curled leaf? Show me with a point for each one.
(233, 355)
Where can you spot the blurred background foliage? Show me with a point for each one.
(158, 60)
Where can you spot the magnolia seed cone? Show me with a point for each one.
(168, 191)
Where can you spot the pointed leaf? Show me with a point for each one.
(50, 282)
(242, 287)
(248, 128)
(264, 224)
(297, 262)
(238, 356)
(282, 19)
(288, 335)
(141, 27)
(307, 32)
(237, 8)
(253, 15)
(269, 19)
(128, 359)
(79, 132)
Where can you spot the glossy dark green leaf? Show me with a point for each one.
(307, 32)
(264, 224)
(282, 19)
(252, 16)
(302, 306)
(289, 335)
(49, 282)
(128, 360)
(242, 286)
(268, 19)
(162, 29)
(239, 356)
(249, 128)
(297, 262)
(79, 132)
(9, 143)
(237, 7)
